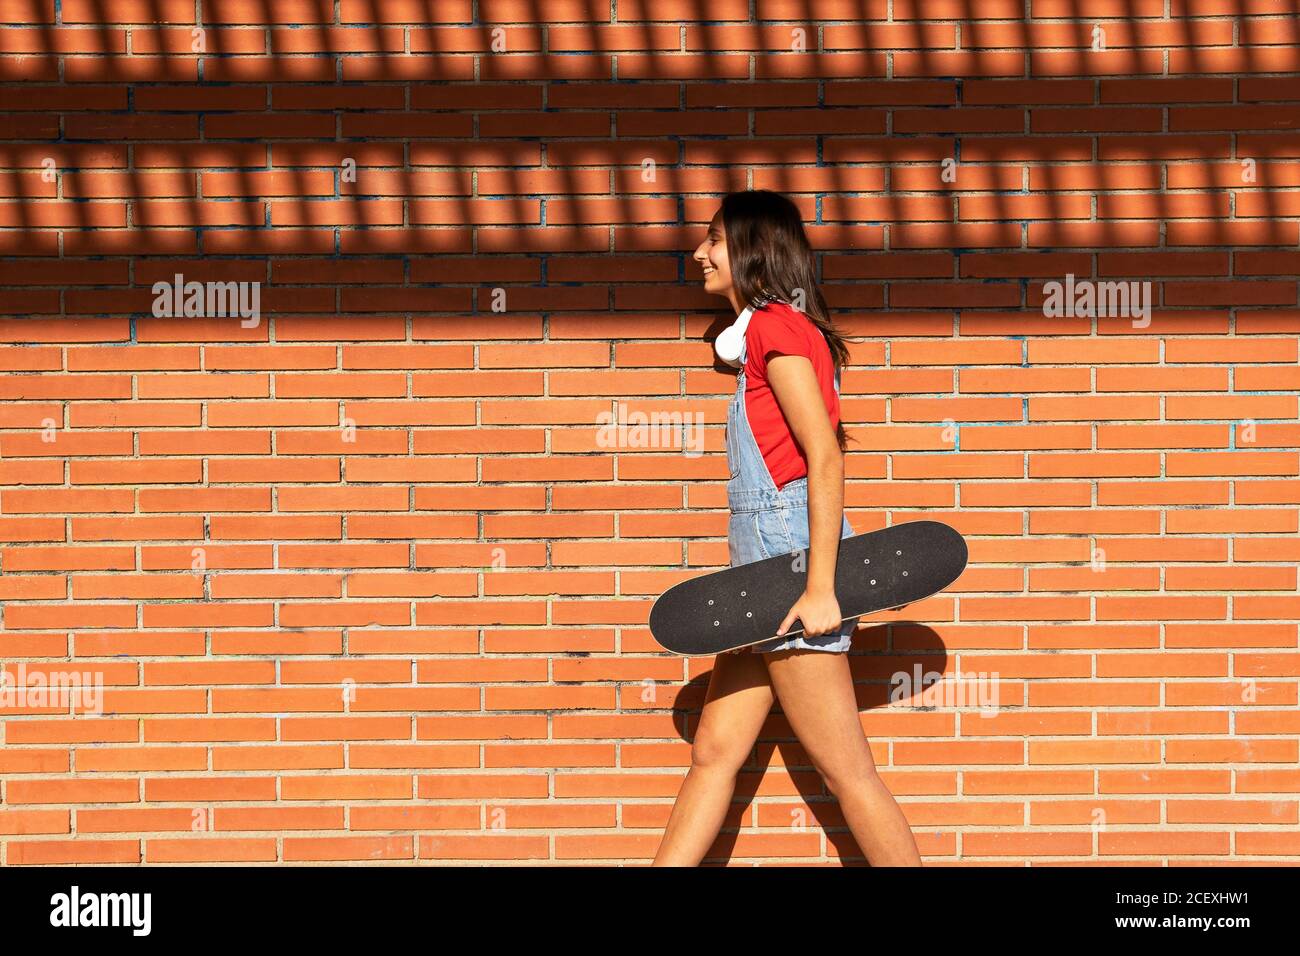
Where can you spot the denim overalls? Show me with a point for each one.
(766, 522)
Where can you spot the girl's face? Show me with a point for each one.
(712, 256)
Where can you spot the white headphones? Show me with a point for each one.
(730, 343)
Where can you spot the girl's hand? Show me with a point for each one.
(818, 610)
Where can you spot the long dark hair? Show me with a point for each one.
(770, 257)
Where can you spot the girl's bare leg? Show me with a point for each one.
(815, 689)
(738, 700)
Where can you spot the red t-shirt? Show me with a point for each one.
(779, 328)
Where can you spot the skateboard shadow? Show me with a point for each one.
(892, 663)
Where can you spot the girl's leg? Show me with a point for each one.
(737, 702)
(815, 689)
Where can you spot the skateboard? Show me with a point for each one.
(737, 607)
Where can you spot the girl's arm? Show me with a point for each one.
(794, 383)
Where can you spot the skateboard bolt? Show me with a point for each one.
(873, 580)
(715, 623)
(904, 574)
(749, 614)
(710, 600)
(743, 593)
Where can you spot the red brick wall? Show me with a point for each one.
(362, 584)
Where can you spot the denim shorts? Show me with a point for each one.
(755, 535)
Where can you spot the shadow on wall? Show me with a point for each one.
(402, 129)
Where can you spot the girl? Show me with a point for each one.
(785, 493)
